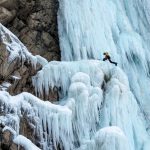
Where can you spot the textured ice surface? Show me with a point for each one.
(42, 116)
(60, 73)
(99, 107)
(88, 28)
(95, 95)
(99, 96)
(108, 138)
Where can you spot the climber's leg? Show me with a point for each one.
(112, 62)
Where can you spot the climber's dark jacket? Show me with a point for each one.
(107, 57)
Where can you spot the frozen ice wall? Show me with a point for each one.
(49, 122)
(98, 108)
(98, 95)
(87, 28)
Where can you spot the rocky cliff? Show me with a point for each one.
(35, 24)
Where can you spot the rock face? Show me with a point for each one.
(16, 64)
(7, 140)
(35, 23)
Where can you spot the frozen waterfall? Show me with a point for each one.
(97, 107)
(87, 28)
(101, 106)
(99, 96)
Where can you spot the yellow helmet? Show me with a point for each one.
(106, 53)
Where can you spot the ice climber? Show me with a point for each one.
(107, 57)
